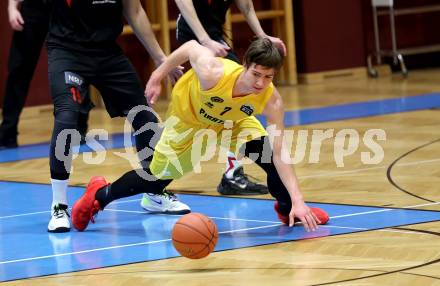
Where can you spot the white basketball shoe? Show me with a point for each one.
(59, 221)
(166, 203)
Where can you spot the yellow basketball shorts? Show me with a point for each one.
(183, 146)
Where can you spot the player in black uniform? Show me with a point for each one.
(82, 50)
(30, 20)
(203, 20)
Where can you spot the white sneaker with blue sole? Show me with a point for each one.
(166, 203)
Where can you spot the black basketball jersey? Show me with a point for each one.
(212, 15)
(85, 24)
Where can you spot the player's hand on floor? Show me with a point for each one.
(305, 214)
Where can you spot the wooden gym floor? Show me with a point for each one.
(405, 253)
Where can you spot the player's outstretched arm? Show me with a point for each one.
(274, 112)
(189, 13)
(246, 7)
(138, 20)
(208, 68)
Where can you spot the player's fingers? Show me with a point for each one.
(291, 219)
(179, 71)
(221, 52)
(19, 27)
(311, 221)
(283, 48)
(15, 25)
(152, 98)
(305, 223)
(20, 19)
(173, 79)
(148, 93)
(316, 217)
(225, 47)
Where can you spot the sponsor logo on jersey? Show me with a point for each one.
(247, 109)
(95, 2)
(210, 117)
(73, 79)
(209, 104)
(217, 99)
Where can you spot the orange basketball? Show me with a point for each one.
(194, 235)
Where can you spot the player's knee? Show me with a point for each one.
(66, 117)
(143, 117)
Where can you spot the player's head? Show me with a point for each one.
(264, 53)
(261, 60)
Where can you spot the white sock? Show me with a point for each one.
(59, 191)
(231, 165)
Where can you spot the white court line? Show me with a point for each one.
(349, 172)
(213, 217)
(386, 210)
(25, 214)
(121, 246)
(363, 228)
(229, 231)
(332, 217)
(165, 240)
(83, 251)
(341, 173)
(43, 212)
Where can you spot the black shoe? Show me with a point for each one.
(7, 141)
(240, 185)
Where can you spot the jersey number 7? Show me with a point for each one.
(227, 108)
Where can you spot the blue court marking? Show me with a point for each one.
(292, 118)
(41, 150)
(125, 234)
(359, 109)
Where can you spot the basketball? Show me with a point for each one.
(194, 235)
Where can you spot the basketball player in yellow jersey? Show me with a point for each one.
(198, 109)
(215, 93)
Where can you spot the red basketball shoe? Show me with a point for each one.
(87, 206)
(319, 213)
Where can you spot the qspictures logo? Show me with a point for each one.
(298, 146)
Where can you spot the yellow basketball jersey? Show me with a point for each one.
(216, 105)
(198, 110)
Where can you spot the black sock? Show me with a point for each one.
(130, 184)
(264, 159)
(60, 156)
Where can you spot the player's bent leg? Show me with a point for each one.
(283, 204)
(59, 170)
(157, 200)
(234, 180)
(99, 194)
(238, 183)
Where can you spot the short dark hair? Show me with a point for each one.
(263, 52)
